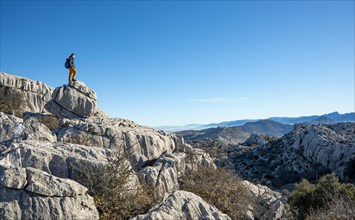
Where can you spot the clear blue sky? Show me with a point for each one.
(181, 62)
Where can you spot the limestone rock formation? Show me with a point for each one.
(164, 173)
(22, 94)
(270, 205)
(332, 146)
(56, 158)
(42, 157)
(258, 139)
(306, 152)
(42, 174)
(183, 205)
(142, 144)
(74, 100)
(13, 129)
(28, 193)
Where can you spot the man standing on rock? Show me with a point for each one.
(72, 70)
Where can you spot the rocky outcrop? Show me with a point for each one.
(258, 139)
(22, 94)
(307, 152)
(38, 175)
(74, 100)
(13, 129)
(164, 174)
(330, 146)
(183, 205)
(141, 144)
(269, 205)
(44, 157)
(28, 193)
(56, 158)
(159, 158)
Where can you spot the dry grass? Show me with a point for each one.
(220, 188)
(11, 102)
(338, 208)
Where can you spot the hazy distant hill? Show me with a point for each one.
(331, 118)
(268, 126)
(320, 120)
(335, 117)
(238, 134)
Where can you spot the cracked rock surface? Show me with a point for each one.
(13, 129)
(143, 144)
(183, 205)
(34, 94)
(39, 195)
(74, 100)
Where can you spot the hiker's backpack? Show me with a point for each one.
(66, 64)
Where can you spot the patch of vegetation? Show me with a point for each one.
(327, 199)
(220, 188)
(11, 102)
(115, 194)
(349, 171)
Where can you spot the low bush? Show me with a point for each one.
(310, 200)
(115, 195)
(11, 102)
(220, 188)
(338, 208)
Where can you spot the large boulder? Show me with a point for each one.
(21, 94)
(74, 100)
(28, 193)
(183, 205)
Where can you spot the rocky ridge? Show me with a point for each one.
(307, 152)
(40, 161)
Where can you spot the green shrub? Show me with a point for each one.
(308, 198)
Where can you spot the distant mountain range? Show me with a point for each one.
(237, 134)
(314, 119)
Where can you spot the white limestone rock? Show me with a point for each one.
(13, 129)
(13, 177)
(142, 144)
(270, 205)
(34, 94)
(74, 100)
(183, 205)
(44, 197)
(164, 173)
